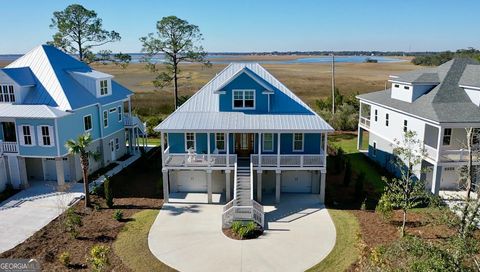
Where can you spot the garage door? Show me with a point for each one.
(191, 181)
(51, 170)
(296, 182)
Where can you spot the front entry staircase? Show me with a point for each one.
(243, 207)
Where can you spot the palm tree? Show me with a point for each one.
(80, 147)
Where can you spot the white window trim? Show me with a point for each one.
(117, 144)
(443, 137)
(375, 115)
(387, 119)
(112, 110)
(50, 135)
(22, 135)
(103, 118)
(405, 125)
(263, 142)
(374, 147)
(224, 142)
(194, 141)
(244, 108)
(91, 122)
(99, 88)
(293, 142)
(120, 113)
(3, 95)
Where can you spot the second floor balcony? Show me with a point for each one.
(8, 147)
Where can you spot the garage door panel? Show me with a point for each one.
(191, 181)
(296, 182)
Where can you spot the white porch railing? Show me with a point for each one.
(287, 160)
(199, 160)
(132, 121)
(8, 147)
(365, 121)
(430, 152)
(459, 155)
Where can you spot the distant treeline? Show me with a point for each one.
(325, 53)
(438, 58)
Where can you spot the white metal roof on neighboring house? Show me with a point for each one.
(29, 111)
(202, 112)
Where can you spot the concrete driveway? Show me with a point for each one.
(188, 237)
(31, 209)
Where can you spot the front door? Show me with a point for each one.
(244, 143)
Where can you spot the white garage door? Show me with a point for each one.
(51, 170)
(191, 181)
(296, 182)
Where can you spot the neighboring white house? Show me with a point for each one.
(438, 104)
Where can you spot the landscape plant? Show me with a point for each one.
(81, 147)
(99, 257)
(72, 222)
(64, 258)
(118, 215)
(407, 191)
(244, 229)
(79, 30)
(179, 42)
(108, 191)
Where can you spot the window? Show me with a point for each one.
(376, 115)
(406, 87)
(103, 87)
(405, 125)
(120, 114)
(87, 122)
(297, 142)
(6, 93)
(45, 134)
(447, 136)
(112, 110)
(268, 142)
(190, 141)
(449, 168)
(374, 151)
(105, 118)
(117, 144)
(26, 137)
(220, 141)
(386, 119)
(243, 99)
(396, 86)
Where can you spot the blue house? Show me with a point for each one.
(48, 97)
(244, 130)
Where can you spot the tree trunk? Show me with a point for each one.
(175, 83)
(84, 163)
(402, 230)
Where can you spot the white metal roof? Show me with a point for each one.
(29, 111)
(202, 112)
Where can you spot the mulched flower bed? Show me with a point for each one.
(232, 235)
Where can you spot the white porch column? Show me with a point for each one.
(130, 107)
(359, 137)
(228, 148)
(162, 147)
(259, 151)
(208, 148)
(209, 185)
(278, 150)
(277, 185)
(259, 185)
(166, 191)
(323, 175)
(22, 168)
(436, 178)
(325, 147)
(60, 172)
(228, 190)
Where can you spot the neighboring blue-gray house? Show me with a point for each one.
(244, 130)
(48, 97)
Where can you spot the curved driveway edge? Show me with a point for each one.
(188, 237)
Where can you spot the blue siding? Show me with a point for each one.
(47, 151)
(113, 123)
(72, 126)
(176, 141)
(244, 81)
(201, 142)
(1, 131)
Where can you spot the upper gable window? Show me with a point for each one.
(244, 99)
(7, 94)
(104, 87)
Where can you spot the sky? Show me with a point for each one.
(264, 25)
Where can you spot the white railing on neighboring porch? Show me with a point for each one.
(459, 155)
(8, 147)
(288, 160)
(365, 121)
(199, 160)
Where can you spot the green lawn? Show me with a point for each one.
(346, 251)
(132, 244)
(153, 141)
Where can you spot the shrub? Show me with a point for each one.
(236, 226)
(118, 215)
(359, 182)
(64, 258)
(152, 122)
(99, 257)
(348, 173)
(97, 190)
(339, 161)
(363, 207)
(385, 207)
(159, 186)
(244, 229)
(72, 222)
(107, 188)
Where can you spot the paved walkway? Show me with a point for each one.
(188, 237)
